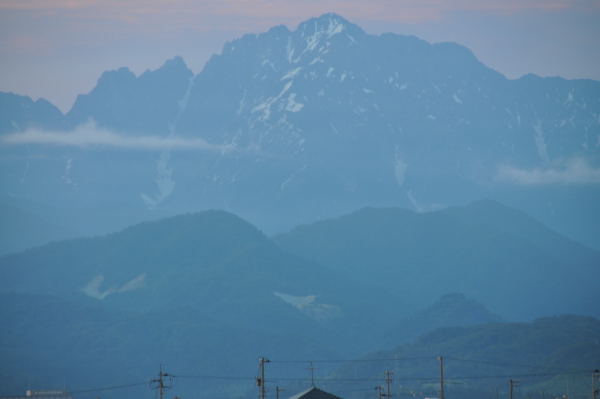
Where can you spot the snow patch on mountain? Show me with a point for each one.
(292, 176)
(292, 105)
(265, 106)
(164, 182)
(421, 207)
(570, 97)
(334, 27)
(292, 73)
(289, 50)
(182, 105)
(242, 104)
(400, 168)
(540, 142)
(93, 287)
(66, 177)
(352, 39)
(309, 306)
(414, 202)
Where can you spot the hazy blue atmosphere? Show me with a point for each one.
(383, 199)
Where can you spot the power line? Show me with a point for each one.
(109, 388)
(356, 360)
(373, 379)
(518, 375)
(504, 364)
(216, 377)
(345, 380)
(405, 379)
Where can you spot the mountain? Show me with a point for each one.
(213, 261)
(202, 279)
(25, 226)
(450, 310)
(146, 104)
(549, 357)
(292, 126)
(205, 294)
(57, 343)
(21, 112)
(498, 256)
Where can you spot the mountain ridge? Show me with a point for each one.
(450, 310)
(476, 250)
(338, 119)
(213, 263)
(218, 293)
(542, 354)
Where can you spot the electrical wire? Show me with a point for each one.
(109, 388)
(504, 364)
(347, 380)
(396, 378)
(214, 377)
(365, 360)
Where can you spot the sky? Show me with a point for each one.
(57, 49)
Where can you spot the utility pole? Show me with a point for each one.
(162, 386)
(511, 384)
(260, 380)
(595, 378)
(442, 395)
(312, 373)
(388, 380)
(277, 390)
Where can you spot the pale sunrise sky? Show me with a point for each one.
(57, 49)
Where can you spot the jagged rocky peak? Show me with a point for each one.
(124, 75)
(20, 112)
(330, 24)
(326, 28)
(116, 76)
(279, 30)
(309, 35)
(175, 62)
(173, 68)
(175, 65)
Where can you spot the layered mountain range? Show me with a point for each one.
(379, 137)
(289, 126)
(552, 356)
(206, 294)
(499, 256)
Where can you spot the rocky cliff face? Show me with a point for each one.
(298, 125)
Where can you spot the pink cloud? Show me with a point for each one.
(265, 12)
(46, 5)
